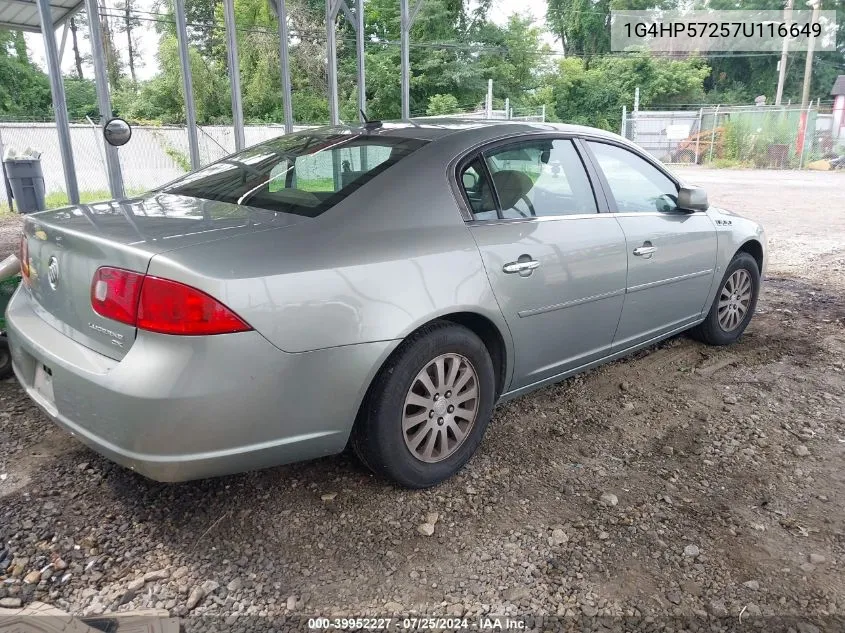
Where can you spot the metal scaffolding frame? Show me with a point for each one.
(57, 90)
(103, 99)
(187, 83)
(284, 36)
(234, 73)
(54, 13)
(356, 20)
(406, 21)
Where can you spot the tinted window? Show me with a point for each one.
(636, 184)
(540, 178)
(303, 173)
(478, 191)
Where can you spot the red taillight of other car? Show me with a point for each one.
(160, 305)
(23, 256)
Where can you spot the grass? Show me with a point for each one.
(58, 199)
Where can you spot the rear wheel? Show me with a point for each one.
(428, 409)
(5, 358)
(734, 303)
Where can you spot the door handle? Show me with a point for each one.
(523, 268)
(646, 250)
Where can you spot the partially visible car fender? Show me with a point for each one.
(733, 232)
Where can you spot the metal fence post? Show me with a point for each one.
(331, 61)
(359, 50)
(698, 135)
(804, 138)
(103, 99)
(6, 185)
(57, 90)
(713, 133)
(623, 130)
(406, 21)
(187, 83)
(234, 73)
(635, 114)
(285, 65)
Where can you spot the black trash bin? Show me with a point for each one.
(27, 182)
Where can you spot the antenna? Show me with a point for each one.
(363, 115)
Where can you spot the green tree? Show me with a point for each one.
(81, 99)
(518, 62)
(441, 104)
(595, 95)
(24, 89)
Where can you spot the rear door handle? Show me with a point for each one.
(524, 268)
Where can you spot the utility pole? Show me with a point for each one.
(787, 19)
(811, 45)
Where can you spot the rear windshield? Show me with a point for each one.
(304, 173)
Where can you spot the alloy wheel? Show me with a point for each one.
(440, 408)
(735, 299)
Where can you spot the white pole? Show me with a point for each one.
(489, 104)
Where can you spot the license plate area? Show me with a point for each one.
(43, 383)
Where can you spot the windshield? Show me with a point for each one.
(304, 173)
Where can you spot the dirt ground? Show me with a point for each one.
(685, 488)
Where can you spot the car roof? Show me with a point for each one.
(431, 129)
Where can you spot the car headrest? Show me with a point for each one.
(512, 186)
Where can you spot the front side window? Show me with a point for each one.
(543, 177)
(636, 184)
(305, 173)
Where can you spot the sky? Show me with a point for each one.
(499, 13)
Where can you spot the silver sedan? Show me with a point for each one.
(384, 286)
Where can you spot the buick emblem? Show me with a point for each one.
(53, 272)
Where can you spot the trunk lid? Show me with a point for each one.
(67, 246)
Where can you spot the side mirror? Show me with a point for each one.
(117, 132)
(692, 199)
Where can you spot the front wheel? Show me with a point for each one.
(734, 303)
(428, 408)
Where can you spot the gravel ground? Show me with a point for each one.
(683, 484)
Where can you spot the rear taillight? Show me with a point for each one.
(173, 308)
(160, 305)
(23, 256)
(115, 293)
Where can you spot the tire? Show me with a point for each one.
(713, 330)
(5, 358)
(388, 424)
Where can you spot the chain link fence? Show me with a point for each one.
(767, 137)
(155, 154)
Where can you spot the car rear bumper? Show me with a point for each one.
(178, 408)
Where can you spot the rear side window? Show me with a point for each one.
(304, 174)
(478, 191)
(535, 178)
